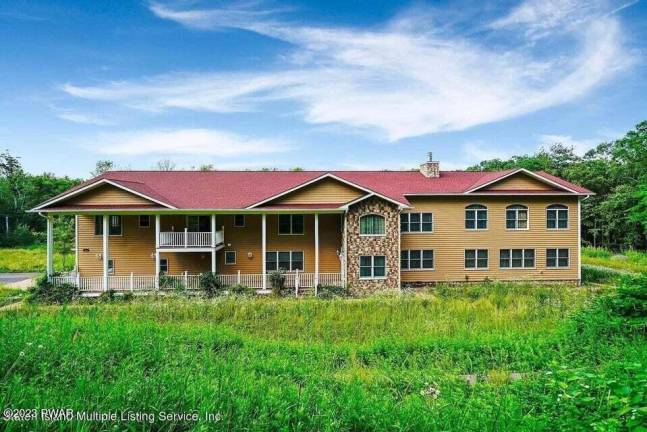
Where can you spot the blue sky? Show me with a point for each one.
(320, 85)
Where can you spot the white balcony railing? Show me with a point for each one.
(189, 239)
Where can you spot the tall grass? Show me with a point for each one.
(287, 364)
(633, 261)
(32, 259)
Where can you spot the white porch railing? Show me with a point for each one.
(191, 282)
(189, 239)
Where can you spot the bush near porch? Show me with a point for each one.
(396, 362)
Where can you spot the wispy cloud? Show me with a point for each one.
(405, 79)
(182, 142)
(81, 118)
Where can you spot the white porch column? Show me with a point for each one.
(157, 251)
(50, 246)
(106, 251)
(213, 243)
(264, 246)
(316, 251)
(76, 243)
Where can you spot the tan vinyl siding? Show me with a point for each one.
(520, 182)
(132, 251)
(244, 240)
(450, 239)
(324, 191)
(107, 195)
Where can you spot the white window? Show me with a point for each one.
(111, 266)
(557, 258)
(416, 222)
(557, 216)
(517, 258)
(476, 217)
(371, 224)
(476, 258)
(163, 265)
(372, 267)
(144, 221)
(290, 224)
(417, 259)
(516, 217)
(230, 257)
(239, 220)
(284, 260)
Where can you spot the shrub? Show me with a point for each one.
(241, 290)
(170, 283)
(108, 296)
(21, 235)
(277, 282)
(331, 291)
(47, 293)
(211, 284)
(631, 298)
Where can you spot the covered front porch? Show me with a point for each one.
(240, 249)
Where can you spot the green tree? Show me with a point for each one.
(165, 165)
(102, 166)
(64, 237)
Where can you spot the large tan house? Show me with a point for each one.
(368, 230)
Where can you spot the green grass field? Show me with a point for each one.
(385, 363)
(31, 259)
(633, 261)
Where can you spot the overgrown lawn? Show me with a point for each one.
(31, 259)
(633, 261)
(384, 363)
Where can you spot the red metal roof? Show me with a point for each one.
(241, 189)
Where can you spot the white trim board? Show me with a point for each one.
(524, 171)
(95, 185)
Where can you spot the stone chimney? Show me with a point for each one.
(431, 168)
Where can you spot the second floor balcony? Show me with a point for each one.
(190, 239)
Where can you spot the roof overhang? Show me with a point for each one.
(42, 207)
(334, 177)
(528, 173)
(162, 211)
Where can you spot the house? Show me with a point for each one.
(368, 230)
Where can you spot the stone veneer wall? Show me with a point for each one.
(387, 245)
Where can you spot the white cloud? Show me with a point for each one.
(81, 118)
(403, 80)
(182, 142)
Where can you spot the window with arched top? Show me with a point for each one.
(475, 217)
(557, 216)
(516, 217)
(371, 224)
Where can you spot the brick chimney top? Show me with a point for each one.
(430, 168)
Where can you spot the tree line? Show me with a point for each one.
(616, 216)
